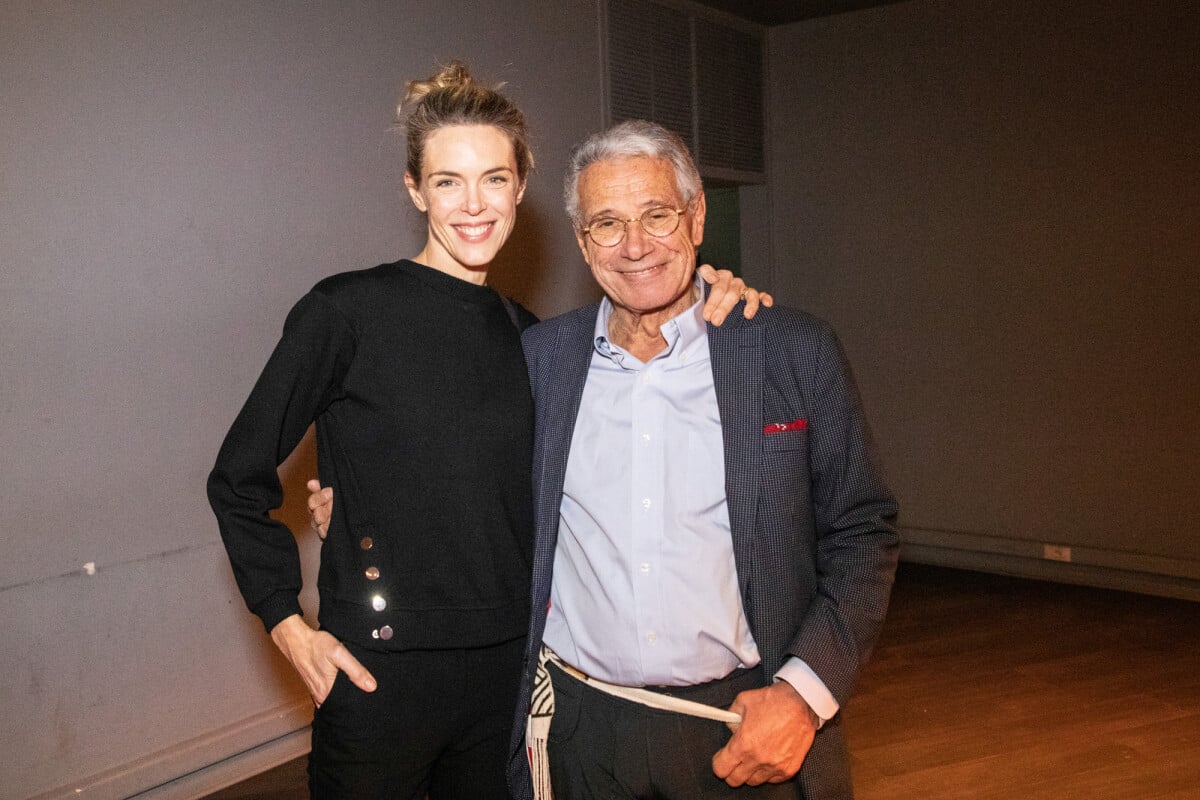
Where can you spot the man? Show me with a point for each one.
(711, 520)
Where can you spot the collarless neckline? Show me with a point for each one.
(449, 284)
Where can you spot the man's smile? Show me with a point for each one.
(635, 273)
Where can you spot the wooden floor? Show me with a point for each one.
(992, 687)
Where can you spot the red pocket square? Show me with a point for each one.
(780, 427)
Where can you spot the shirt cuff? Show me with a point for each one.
(810, 687)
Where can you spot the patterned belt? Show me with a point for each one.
(541, 710)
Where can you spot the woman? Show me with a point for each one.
(414, 375)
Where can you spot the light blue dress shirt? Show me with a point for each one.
(645, 590)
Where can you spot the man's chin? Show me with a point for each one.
(650, 304)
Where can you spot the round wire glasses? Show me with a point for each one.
(658, 221)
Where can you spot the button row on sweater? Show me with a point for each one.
(377, 602)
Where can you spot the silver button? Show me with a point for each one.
(378, 603)
(385, 632)
(375, 633)
(366, 543)
(372, 573)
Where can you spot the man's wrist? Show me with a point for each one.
(796, 673)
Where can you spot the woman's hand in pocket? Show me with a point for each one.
(317, 658)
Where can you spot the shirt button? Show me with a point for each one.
(385, 632)
(645, 567)
(372, 573)
(646, 503)
(645, 439)
(651, 637)
(366, 543)
(378, 603)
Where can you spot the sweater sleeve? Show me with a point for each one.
(299, 381)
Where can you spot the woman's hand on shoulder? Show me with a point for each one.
(727, 290)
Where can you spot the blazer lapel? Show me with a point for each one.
(563, 387)
(737, 365)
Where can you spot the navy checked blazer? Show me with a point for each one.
(811, 518)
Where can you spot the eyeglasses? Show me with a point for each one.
(609, 231)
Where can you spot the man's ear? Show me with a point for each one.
(581, 240)
(414, 191)
(699, 209)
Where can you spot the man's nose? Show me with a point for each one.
(636, 241)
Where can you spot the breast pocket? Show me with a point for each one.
(785, 476)
(785, 440)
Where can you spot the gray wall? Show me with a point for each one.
(998, 205)
(173, 176)
(994, 203)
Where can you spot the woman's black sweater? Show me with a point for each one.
(421, 399)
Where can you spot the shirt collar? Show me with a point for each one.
(682, 332)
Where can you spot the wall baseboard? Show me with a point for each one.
(1050, 561)
(202, 765)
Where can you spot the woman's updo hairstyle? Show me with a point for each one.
(453, 97)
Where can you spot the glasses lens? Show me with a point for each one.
(660, 221)
(607, 231)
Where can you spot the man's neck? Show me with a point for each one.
(640, 334)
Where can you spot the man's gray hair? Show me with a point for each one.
(635, 137)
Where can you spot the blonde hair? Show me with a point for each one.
(453, 97)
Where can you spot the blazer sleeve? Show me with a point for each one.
(856, 542)
(300, 379)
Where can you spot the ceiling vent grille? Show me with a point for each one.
(729, 98)
(694, 75)
(650, 65)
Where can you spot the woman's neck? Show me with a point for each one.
(428, 258)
